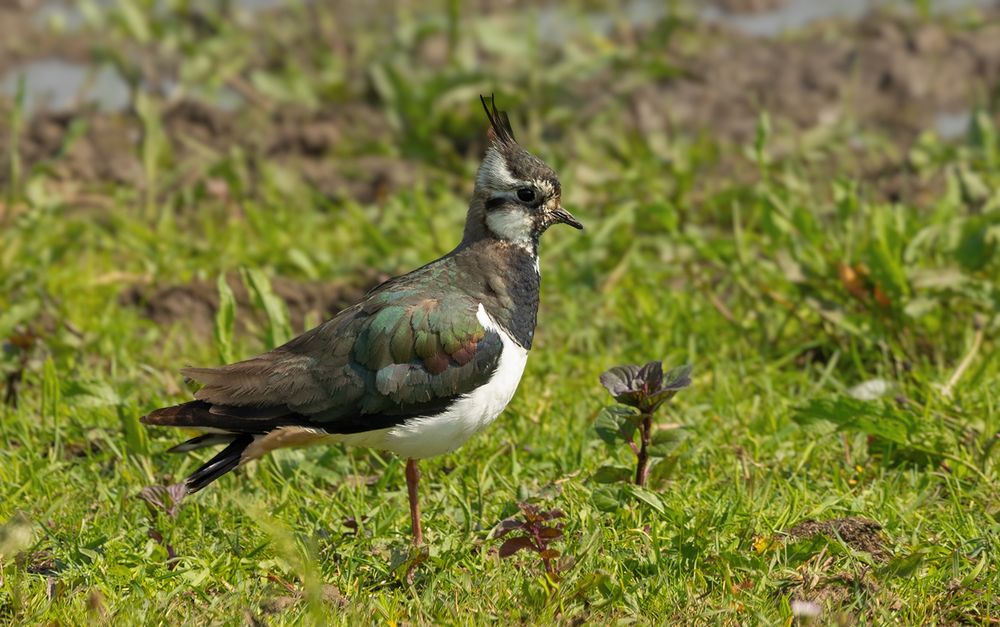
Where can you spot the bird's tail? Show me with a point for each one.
(228, 459)
(194, 415)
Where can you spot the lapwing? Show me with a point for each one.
(425, 361)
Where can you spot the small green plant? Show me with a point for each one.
(642, 390)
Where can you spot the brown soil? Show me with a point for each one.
(330, 594)
(889, 73)
(860, 534)
(837, 593)
(840, 594)
(748, 6)
(195, 304)
(106, 151)
(77, 450)
(313, 145)
(24, 38)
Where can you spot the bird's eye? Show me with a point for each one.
(526, 194)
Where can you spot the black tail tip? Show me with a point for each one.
(227, 459)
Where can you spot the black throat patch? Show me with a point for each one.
(507, 283)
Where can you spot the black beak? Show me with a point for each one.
(562, 216)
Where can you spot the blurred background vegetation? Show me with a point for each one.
(798, 197)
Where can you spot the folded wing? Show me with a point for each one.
(394, 356)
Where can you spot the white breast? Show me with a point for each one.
(428, 436)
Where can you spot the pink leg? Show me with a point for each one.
(412, 481)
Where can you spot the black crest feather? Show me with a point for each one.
(499, 121)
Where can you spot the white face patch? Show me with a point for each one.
(513, 224)
(493, 173)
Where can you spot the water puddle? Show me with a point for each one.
(57, 84)
(795, 14)
(952, 125)
(789, 16)
(557, 25)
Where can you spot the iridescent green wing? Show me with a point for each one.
(424, 351)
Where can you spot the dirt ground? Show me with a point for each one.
(885, 72)
(748, 6)
(889, 73)
(819, 583)
(108, 148)
(860, 534)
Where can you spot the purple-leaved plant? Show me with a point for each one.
(165, 500)
(534, 532)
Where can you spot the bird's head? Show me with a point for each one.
(517, 195)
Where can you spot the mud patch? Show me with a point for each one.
(858, 533)
(891, 73)
(24, 37)
(83, 147)
(748, 6)
(194, 304)
(79, 146)
(81, 450)
(825, 585)
(330, 594)
(837, 598)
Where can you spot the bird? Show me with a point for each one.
(422, 363)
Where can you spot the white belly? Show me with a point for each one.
(428, 436)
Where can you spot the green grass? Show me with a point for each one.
(785, 288)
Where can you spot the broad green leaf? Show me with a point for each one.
(977, 248)
(666, 441)
(15, 314)
(909, 432)
(662, 468)
(135, 20)
(135, 434)
(613, 474)
(886, 253)
(853, 414)
(904, 565)
(91, 394)
(225, 319)
(599, 581)
(607, 498)
(278, 328)
(801, 550)
(647, 497)
(615, 424)
(15, 536)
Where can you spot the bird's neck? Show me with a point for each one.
(505, 276)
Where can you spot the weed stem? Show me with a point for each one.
(643, 461)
